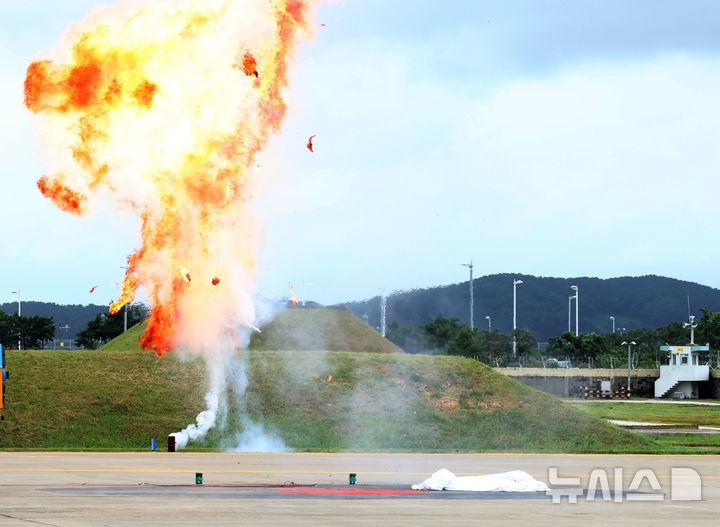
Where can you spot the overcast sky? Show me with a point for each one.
(555, 138)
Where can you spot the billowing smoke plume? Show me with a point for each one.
(161, 106)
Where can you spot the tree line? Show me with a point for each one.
(450, 336)
(33, 332)
(30, 332)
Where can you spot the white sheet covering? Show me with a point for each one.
(514, 481)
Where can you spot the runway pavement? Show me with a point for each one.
(69, 489)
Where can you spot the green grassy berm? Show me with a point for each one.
(375, 402)
(120, 397)
(297, 328)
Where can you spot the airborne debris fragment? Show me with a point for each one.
(310, 145)
(215, 281)
(249, 65)
(93, 288)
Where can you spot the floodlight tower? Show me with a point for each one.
(489, 319)
(470, 265)
(515, 284)
(577, 311)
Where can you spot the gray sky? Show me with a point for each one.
(556, 138)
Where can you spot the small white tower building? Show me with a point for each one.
(684, 372)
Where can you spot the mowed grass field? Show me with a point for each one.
(674, 414)
(119, 400)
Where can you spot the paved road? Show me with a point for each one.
(83, 489)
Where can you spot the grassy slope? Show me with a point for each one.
(98, 400)
(320, 328)
(298, 328)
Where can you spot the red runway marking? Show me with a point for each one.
(352, 491)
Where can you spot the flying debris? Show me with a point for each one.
(249, 65)
(185, 274)
(323, 25)
(310, 145)
(93, 288)
(215, 281)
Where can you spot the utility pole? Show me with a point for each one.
(470, 265)
(19, 313)
(629, 344)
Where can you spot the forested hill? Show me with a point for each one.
(75, 316)
(542, 303)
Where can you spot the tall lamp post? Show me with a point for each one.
(60, 328)
(470, 265)
(629, 345)
(489, 319)
(383, 311)
(613, 320)
(577, 304)
(515, 284)
(19, 313)
(570, 299)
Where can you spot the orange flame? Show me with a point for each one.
(141, 101)
(292, 295)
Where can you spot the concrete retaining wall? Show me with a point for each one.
(567, 382)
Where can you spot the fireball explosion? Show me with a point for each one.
(162, 106)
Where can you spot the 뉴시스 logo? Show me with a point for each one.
(684, 485)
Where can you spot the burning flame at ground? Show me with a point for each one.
(292, 295)
(159, 105)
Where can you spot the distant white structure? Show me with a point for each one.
(682, 376)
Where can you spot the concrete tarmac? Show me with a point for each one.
(84, 489)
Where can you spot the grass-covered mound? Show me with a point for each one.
(374, 402)
(296, 328)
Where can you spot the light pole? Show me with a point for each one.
(613, 319)
(570, 299)
(470, 265)
(489, 319)
(124, 306)
(515, 284)
(60, 333)
(19, 313)
(383, 310)
(629, 345)
(577, 311)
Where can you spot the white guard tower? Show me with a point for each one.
(680, 378)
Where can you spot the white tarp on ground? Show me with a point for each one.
(514, 481)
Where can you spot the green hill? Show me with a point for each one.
(318, 329)
(374, 401)
(297, 328)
